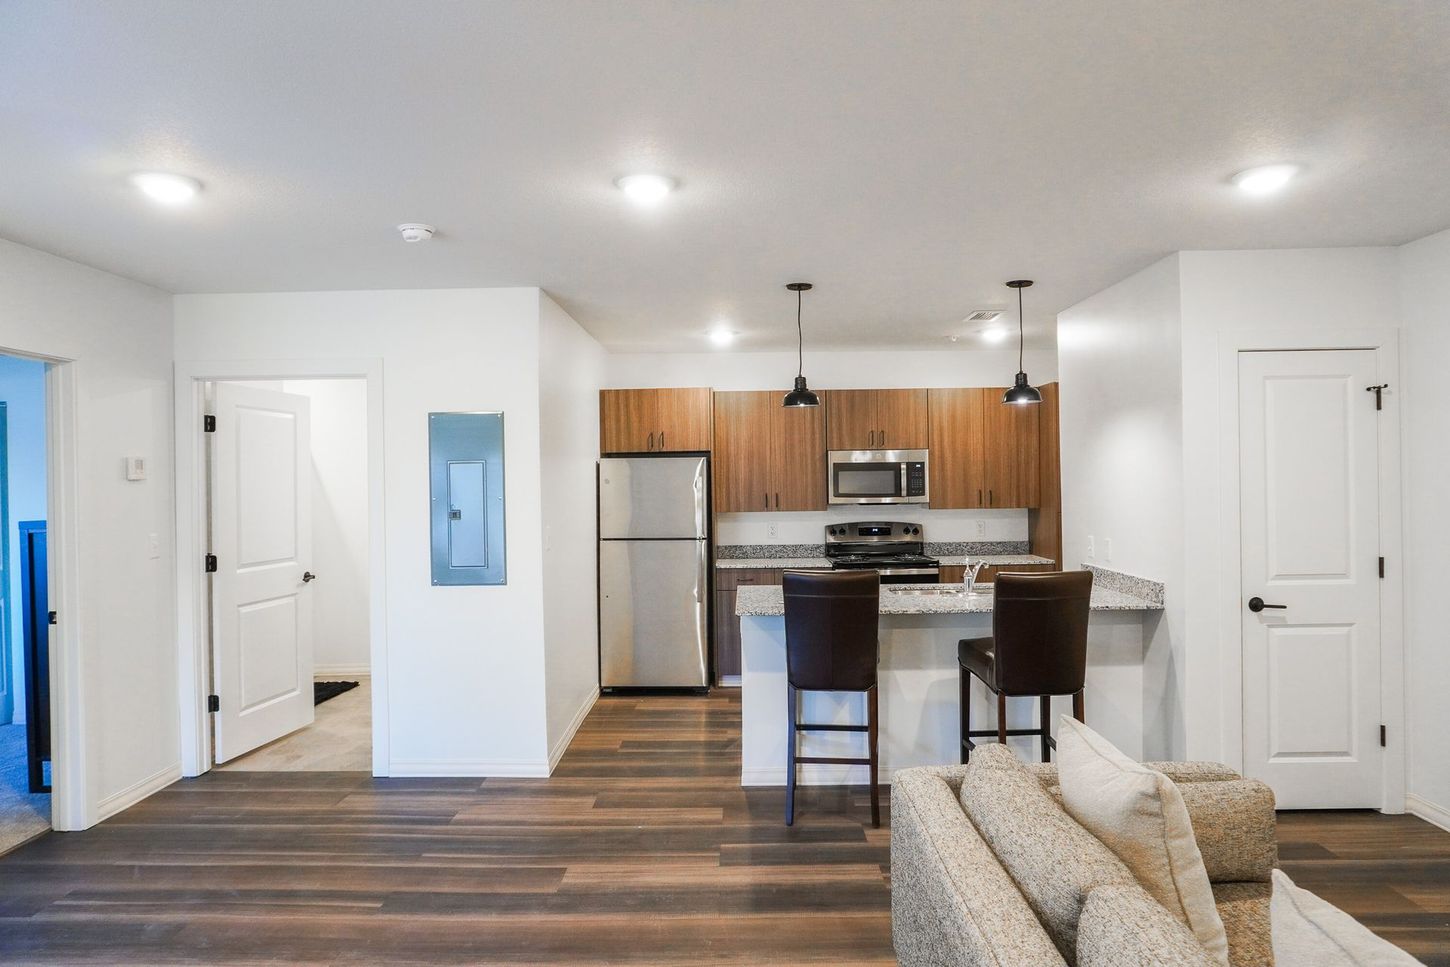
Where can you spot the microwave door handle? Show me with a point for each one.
(903, 490)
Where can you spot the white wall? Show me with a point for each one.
(571, 370)
(730, 370)
(465, 674)
(339, 415)
(118, 333)
(1121, 407)
(1307, 292)
(22, 389)
(1425, 308)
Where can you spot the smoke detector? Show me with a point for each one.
(415, 231)
(984, 315)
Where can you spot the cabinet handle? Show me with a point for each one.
(662, 439)
(651, 445)
(871, 438)
(883, 437)
(991, 501)
(777, 501)
(767, 501)
(979, 496)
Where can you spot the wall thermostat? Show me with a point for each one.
(135, 468)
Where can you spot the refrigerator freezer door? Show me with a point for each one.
(652, 598)
(641, 497)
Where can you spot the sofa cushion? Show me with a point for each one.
(1244, 910)
(1312, 932)
(951, 901)
(1235, 827)
(1053, 860)
(1122, 926)
(1139, 813)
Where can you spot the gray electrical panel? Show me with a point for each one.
(465, 485)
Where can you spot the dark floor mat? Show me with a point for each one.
(322, 691)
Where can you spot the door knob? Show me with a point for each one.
(308, 576)
(1256, 604)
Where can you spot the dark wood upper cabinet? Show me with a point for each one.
(768, 456)
(876, 419)
(654, 420)
(983, 452)
(958, 464)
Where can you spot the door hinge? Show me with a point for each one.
(210, 563)
(1378, 391)
(213, 703)
(50, 618)
(1382, 568)
(1382, 735)
(208, 424)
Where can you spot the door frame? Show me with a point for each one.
(1384, 343)
(192, 618)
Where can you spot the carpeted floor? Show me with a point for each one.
(340, 739)
(22, 815)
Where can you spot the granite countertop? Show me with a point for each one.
(768, 600)
(992, 560)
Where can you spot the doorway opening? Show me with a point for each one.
(25, 679)
(286, 527)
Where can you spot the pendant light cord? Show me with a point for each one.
(800, 368)
(1021, 330)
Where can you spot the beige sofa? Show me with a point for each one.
(1056, 895)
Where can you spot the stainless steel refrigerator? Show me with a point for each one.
(654, 569)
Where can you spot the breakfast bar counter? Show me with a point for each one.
(920, 626)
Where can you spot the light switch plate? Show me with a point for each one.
(1090, 547)
(153, 549)
(1108, 549)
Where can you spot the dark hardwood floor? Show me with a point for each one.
(642, 848)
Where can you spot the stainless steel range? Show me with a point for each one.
(892, 548)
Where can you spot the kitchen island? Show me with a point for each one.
(920, 626)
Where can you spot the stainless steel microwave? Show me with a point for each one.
(877, 476)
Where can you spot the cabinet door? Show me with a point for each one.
(683, 420)
(958, 450)
(953, 574)
(727, 625)
(797, 456)
(1011, 451)
(901, 419)
(743, 450)
(628, 420)
(851, 422)
(1045, 523)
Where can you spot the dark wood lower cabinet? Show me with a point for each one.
(727, 625)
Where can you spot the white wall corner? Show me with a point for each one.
(1428, 811)
(561, 744)
(137, 791)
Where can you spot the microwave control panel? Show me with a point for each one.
(916, 478)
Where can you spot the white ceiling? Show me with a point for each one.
(907, 157)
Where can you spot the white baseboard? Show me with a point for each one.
(814, 775)
(560, 746)
(1428, 811)
(137, 791)
(345, 671)
(469, 768)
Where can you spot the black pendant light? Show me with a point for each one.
(1022, 391)
(801, 395)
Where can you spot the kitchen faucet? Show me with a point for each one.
(973, 569)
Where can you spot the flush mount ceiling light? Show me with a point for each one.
(722, 337)
(1265, 179)
(994, 334)
(415, 231)
(801, 395)
(165, 187)
(646, 189)
(1022, 392)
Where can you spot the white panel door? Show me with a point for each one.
(1309, 489)
(261, 534)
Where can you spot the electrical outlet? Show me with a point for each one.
(772, 532)
(1108, 549)
(1090, 547)
(981, 529)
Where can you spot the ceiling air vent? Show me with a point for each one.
(984, 315)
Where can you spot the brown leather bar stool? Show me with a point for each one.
(1038, 647)
(831, 646)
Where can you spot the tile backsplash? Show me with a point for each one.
(807, 527)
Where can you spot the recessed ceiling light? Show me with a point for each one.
(1266, 179)
(722, 337)
(994, 334)
(165, 187)
(646, 189)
